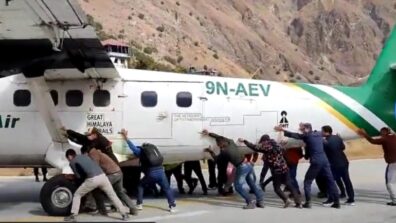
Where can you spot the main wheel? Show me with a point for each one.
(56, 196)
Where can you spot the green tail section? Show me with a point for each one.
(382, 77)
(378, 94)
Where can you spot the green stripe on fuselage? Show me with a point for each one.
(348, 113)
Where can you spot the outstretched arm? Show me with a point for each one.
(210, 151)
(249, 145)
(77, 137)
(363, 133)
(135, 149)
(293, 135)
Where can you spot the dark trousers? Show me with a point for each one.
(156, 176)
(195, 166)
(221, 176)
(323, 169)
(43, 171)
(212, 173)
(264, 172)
(116, 179)
(322, 185)
(177, 172)
(284, 178)
(293, 176)
(342, 174)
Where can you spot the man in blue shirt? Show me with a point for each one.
(318, 162)
(152, 175)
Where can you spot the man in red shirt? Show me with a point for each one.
(293, 155)
(388, 142)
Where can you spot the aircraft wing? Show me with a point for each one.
(50, 38)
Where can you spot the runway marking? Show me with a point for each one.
(170, 216)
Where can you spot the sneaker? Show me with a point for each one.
(287, 203)
(70, 218)
(212, 187)
(251, 205)
(336, 205)
(307, 205)
(139, 207)
(172, 209)
(124, 217)
(133, 211)
(350, 203)
(327, 203)
(260, 204)
(391, 204)
(299, 206)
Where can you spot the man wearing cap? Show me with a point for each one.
(318, 162)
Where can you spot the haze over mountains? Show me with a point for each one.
(318, 41)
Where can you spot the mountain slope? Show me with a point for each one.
(325, 41)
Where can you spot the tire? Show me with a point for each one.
(56, 196)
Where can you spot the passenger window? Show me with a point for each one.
(101, 98)
(54, 96)
(149, 98)
(184, 99)
(22, 98)
(74, 98)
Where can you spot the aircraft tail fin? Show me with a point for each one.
(383, 75)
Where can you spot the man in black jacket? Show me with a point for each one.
(244, 171)
(334, 148)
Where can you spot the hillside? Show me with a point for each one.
(319, 41)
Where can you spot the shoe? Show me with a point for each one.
(336, 205)
(139, 207)
(342, 195)
(260, 204)
(327, 203)
(133, 211)
(298, 206)
(172, 209)
(307, 205)
(391, 204)
(350, 203)
(262, 187)
(193, 186)
(321, 195)
(124, 217)
(287, 203)
(251, 205)
(70, 218)
(212, 187)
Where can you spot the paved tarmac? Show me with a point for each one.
(19, 201)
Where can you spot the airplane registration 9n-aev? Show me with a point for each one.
(56, 73)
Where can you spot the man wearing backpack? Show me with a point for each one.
(151, 162)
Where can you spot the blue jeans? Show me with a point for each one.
(156, 176)
(324, 170)
(245, 174)
(293, 176)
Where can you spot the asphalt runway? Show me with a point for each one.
(19, 201)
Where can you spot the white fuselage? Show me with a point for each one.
(155, 107)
